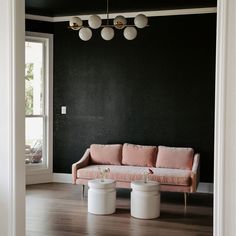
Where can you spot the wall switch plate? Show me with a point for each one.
(63, 110)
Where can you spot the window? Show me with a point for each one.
(38, 96)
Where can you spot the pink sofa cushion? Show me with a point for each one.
(131, 173)
(106, 154)
(175, 158)
(137, 155)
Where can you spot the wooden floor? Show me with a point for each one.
(60, 210)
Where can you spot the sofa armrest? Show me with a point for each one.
(84, 161)
(195, 175)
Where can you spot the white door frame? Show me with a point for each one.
(12, 168)
(225, 121)
(12, 173)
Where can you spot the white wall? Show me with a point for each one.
(12, 172)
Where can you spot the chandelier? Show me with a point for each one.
(107, 32)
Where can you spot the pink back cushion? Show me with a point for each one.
(175, 158)
(137, 155)
(106, 154)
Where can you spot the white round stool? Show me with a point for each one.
(102, 196)
(145, 199)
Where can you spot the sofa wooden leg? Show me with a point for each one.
(83, 190)
(185, 203)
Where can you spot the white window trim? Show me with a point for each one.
(42, 172)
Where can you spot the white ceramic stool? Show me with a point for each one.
(145, 199)
(102, 196)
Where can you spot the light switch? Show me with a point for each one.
(63, 110)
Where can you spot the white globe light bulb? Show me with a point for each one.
(75, 23)
(119, 22)
(85, 33)
(107, 33)
(140, 21)
(94, 21)
(130, 33)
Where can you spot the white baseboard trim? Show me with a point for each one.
(205, 188)
(67, 178)
(61, 178)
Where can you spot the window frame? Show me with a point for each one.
(44, 170)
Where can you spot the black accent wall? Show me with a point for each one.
(157, 89)
(39, 26)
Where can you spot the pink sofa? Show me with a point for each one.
(177, 169)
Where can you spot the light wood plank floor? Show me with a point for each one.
(60, 210)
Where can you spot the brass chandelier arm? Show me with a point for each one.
(102, 26)
(114, 26)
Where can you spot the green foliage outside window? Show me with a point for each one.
(29, 76)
